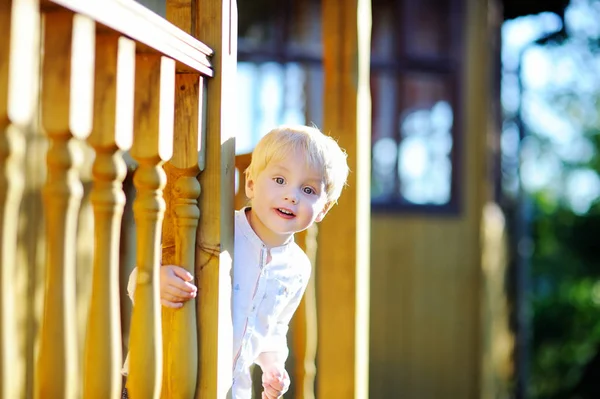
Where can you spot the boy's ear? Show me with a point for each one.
(249, 187)
(322, 214)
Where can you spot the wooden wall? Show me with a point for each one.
(426, 331)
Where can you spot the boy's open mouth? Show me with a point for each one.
(286, 213)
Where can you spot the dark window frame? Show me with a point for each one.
(449, 67)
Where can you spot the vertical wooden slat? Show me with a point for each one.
(19, 58)
(180, 345)
(152, 145)
(216, 24)
(304, 325)
(181, 14)
(66, 113)
(112, 134)
(343, 275)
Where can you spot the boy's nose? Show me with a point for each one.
(292, 197)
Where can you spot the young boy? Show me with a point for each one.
(295, 177)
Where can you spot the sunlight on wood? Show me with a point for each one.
(57, 362)
(19, 59)
(113, 98)
(154, 101)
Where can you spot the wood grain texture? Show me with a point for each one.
(112, 134)
(152, 146)
(67, 78)
(343, 257)
(216, 24)
(181, 14)
(19, 58)
(180, 341)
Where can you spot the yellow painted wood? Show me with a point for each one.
(343, 256)
(19, 58)
(180, 341)
(426, 270)
(152, 145)
(215, 23)
(498, 341)
(67, 79)
(112, 133)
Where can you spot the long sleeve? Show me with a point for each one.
(276, 344)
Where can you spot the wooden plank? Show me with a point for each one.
(67, 78)
(112, 134)
(304, 325)
(181, 14)
(152, 146)
(142, 25)
(216, 24)
(19, 59)
(343, 259)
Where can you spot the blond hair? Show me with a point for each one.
(322, 153)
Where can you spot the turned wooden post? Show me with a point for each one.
(112, 134)
(67, 80)
(180, 341)
(19, 60)
(152, 146)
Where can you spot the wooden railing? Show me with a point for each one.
(115, 78)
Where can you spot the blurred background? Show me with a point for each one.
(545, 175)
(485, 243)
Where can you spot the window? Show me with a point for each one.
(280, 76)
(415, 75)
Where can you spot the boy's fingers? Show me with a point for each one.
(182, 273)
(271, 392)
(276, 384)
(169, 304)
(182, 285)
(174, 293)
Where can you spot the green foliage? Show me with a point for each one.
(565, 298)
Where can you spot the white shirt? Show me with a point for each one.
(265, 297)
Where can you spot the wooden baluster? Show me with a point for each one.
(19, 60)
(112, 134)
(67, 80)
(152, 145)
(180, 345)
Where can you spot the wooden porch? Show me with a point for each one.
(117, 150)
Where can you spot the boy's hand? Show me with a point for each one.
(175, 288)
(276, 382)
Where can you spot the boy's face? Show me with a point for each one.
(287, 196)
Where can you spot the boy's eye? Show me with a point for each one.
(279, 180)
(308, 190)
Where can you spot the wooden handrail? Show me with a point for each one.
(144, 26)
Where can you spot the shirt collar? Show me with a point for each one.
(248, 232)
